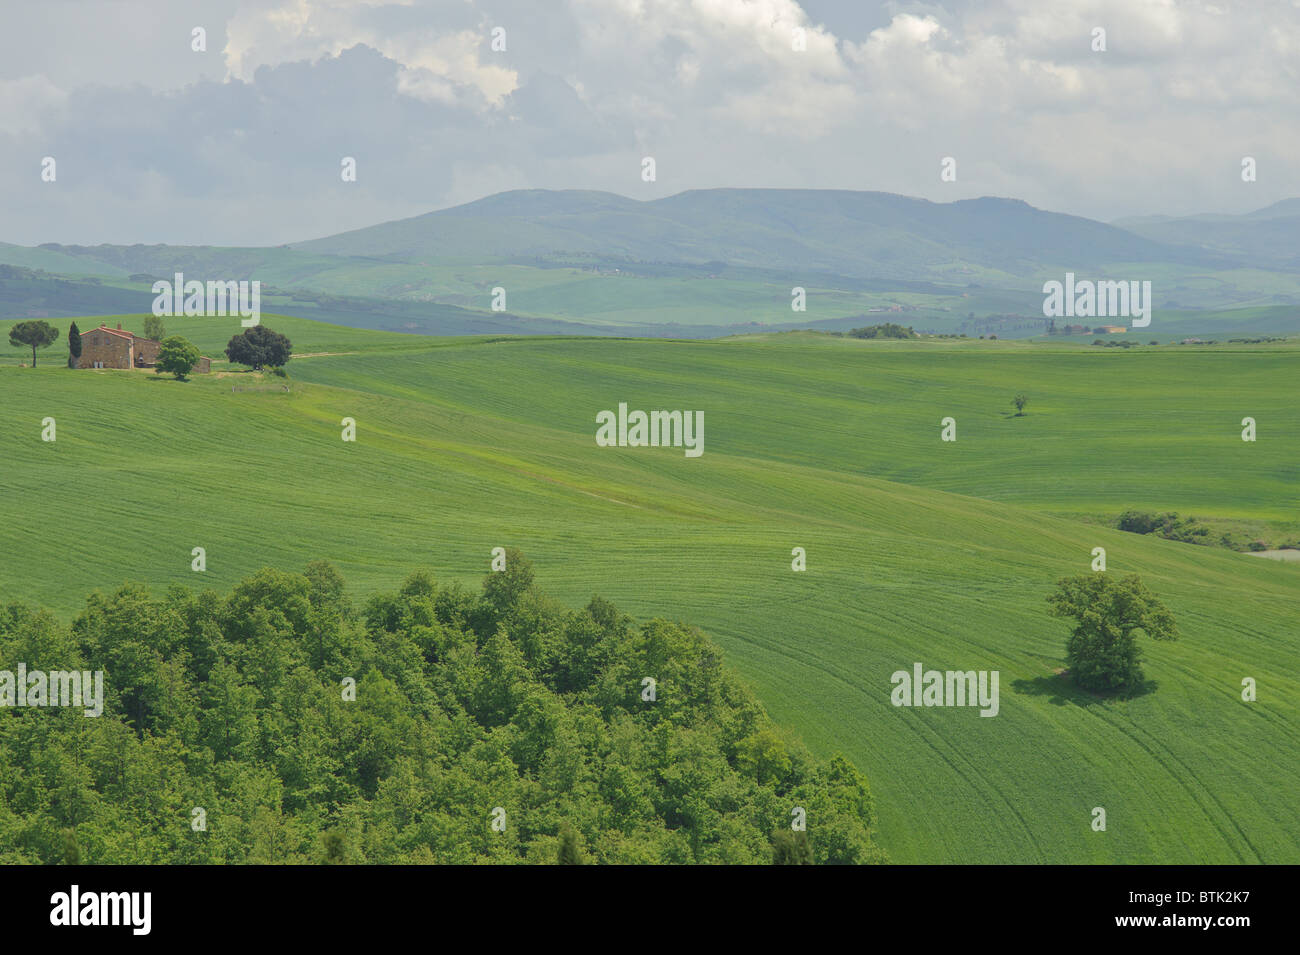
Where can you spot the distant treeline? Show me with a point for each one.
(886, 330)
(497, 726)
(1189, 530)
(31, 293)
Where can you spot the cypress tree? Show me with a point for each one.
(74, 345)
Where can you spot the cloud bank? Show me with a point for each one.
(444, 102)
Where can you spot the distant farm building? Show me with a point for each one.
(1110, 330)
(105, 347)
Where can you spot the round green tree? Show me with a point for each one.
(177, 356)
(259, 347)
(1109, 614)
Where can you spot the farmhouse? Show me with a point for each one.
(105, 347)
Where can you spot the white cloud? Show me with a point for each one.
(712, 88)
(27, 101)
(441, 63)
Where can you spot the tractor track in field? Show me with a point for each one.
(970, 776)
(1150, 745)
(565, 484)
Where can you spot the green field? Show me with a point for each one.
(918, 550)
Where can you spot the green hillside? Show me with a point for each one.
(918, 550)
(55, 261)
(874, 234)
(1267, 236)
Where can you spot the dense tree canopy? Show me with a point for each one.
(466, 708)
(884, 330)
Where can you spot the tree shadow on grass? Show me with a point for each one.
(1062, 690)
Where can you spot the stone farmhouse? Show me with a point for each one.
(105, 347)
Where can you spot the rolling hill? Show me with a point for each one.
(856, 234)
(917, 550)
(708, 263)
(1269, 237)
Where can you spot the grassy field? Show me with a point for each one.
(918, 550)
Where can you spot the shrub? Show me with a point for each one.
(1137, 522)
(1167, 525)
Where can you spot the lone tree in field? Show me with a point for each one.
(154, 328)
(177, 356)
(1102, 650)
(1020, 401)
(33, 335)
(259, 347)
(74, 345)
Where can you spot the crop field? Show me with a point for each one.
(918, 550)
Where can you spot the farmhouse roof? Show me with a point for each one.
(113, 331)
(120, 331)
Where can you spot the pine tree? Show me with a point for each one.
(74, 345)
(33, 335)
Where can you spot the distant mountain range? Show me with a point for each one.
(1266, 238)
(862, 234)
(567, 258)
(874, 235)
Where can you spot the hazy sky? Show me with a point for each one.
(241, 144)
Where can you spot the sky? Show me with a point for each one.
(242, 143)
